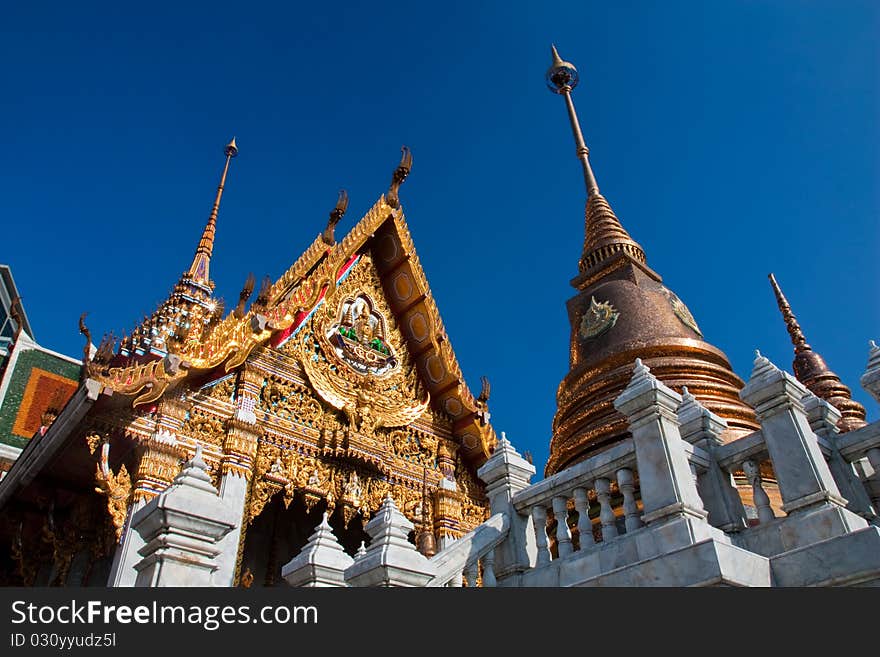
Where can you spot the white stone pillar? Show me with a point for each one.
(667, 487)
(505, 474)
(871, 378)
(816, 510)
(322, 562)
(181, 528)
(702, 428)
(390, 560)
(801, 471)
(823, 418)
(122, 572)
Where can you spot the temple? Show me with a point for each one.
(323, 435)
(334, 388)
(35, 382)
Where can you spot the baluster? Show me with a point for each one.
(471, 572)
(606, 513)
(489, 580)
(455, 582)
(563, 536)
(585, 526)
(539, 519)
(762, 501)
(625, 481)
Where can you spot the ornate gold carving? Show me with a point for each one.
(203, 427)
(117, 489)
(681, 311)
(384, 391)
(93, 440)
(224, 389)
(291, 401)
(599, 318)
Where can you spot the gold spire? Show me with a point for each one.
(604, 235)
(199, 271)
(811, 370)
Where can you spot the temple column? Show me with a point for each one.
(158, 463)
(236, 466)
(447, 501)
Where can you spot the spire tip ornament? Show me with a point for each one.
(562, 76)
(199, 271)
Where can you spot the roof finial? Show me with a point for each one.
(561, 78)
(199, 270)
(791, 323)
(335, 216)
(399, 175)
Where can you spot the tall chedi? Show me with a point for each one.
(622, 311)
(811, 370)
(190, 309)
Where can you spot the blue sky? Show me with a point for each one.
(732, 139)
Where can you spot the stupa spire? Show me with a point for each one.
(791, 323)
(811, 370)
(604, 235)
(199, 271)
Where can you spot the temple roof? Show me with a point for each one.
(288, 302)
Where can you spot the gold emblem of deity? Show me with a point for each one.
(600, 317)
(681, 311)
(354, 366)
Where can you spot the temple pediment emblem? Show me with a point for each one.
(599, 318)
(354, 360)
(358, 338)
(681, 311)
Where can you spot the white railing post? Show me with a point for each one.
(823, 418)
(626, 483)
(702, 428)
(489, 580)
(539, 524)
(803, 476)
(759, 495)
(563, 535)
(505, 474)
(585, 525)
(606, 513)
(666, 484)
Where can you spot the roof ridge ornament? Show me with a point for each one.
(336, 214)
(399, 175)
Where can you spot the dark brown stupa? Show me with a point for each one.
(811, 370)
(622, 311)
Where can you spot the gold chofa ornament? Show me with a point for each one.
(600, 317)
